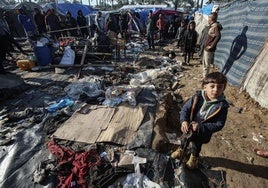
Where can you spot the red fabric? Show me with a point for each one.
(81, 163)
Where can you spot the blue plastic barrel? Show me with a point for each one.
(43, 55)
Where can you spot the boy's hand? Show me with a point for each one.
(185, 127)
(194, 125)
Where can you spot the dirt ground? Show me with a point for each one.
(231, 149)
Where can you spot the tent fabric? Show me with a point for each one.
(256, 83)
(206, 9)
(166, 12)
(244, 31)
(143, 11)
(63, 8)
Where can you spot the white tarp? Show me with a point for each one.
(256, 83)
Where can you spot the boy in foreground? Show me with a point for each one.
(203, 114)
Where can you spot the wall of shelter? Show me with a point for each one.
(256, 83)
(245, 28)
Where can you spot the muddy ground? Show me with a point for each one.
(246, 128)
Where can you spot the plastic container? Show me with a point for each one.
(43, 55)
(25, 64)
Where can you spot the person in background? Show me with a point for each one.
(202, 115)
(150, 30)
(180, 34)
(8, 41)
(112, 29)
(203, 37)
(39, 19)
(123, 24)
(7, 18)
(100, 22)
(160, 24)
(70, 23)
(53, 24)
(26, 22)
(82, 23)
(190, 42)
(212, 39)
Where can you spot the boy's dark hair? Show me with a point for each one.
(215, 77)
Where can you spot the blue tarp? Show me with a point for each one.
(71, 7)
(245, 28)
(206, 9)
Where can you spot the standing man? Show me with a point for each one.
(150, 30)
(161, 23)
(82, 23)
(211, 42)
(53, 24)
(100, 22)
(39, 19)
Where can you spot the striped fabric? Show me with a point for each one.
(245, 28)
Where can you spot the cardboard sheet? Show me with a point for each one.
(124, 125)
(117, 125)
(85, 127)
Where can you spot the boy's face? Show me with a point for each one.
(213, 91)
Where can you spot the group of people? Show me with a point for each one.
(186, 36)
(49, 22)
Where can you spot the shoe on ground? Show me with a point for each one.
(176, 154)
(192, 163)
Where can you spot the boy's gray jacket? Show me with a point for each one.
(215, 120)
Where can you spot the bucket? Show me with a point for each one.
(25, 64)
(43, 55)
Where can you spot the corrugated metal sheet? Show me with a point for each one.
(245, 28)
(256, 83)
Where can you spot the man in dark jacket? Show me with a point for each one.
(82, 23)
(39, 20)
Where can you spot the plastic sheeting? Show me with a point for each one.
(206, 9)
(244, 31)
(18, 161)
(256, 83)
